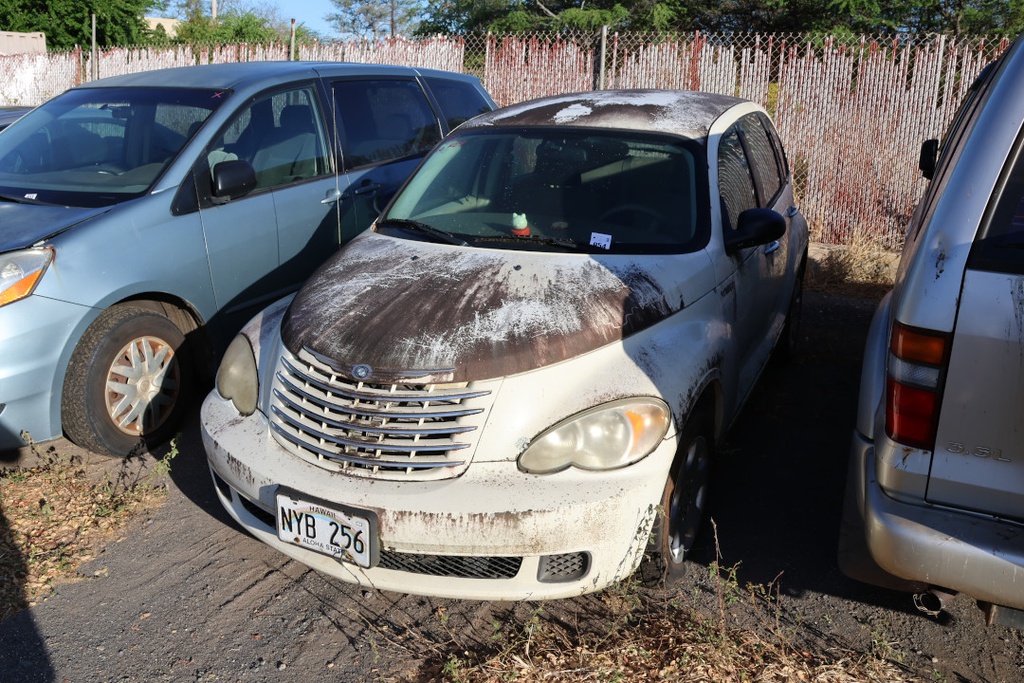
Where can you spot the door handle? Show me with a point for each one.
(791, 211)
(332, 196)
(368, 188)
(771, 248)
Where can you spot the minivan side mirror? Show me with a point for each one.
(929, 158)
(232, 179)
(755, 227)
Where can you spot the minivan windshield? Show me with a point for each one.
(597, 191)
(101, 146)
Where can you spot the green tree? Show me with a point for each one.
(235, 23)
(67, 23)
(375, 18)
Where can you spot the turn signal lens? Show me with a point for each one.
(20, 272)
(917, 361)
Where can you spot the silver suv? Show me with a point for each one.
(935, 492)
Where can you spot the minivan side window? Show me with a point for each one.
(383, 120)
(281, 135)
(735, 183)
(459, 101)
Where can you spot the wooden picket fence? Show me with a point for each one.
(851, 113)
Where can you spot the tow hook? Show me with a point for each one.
(932, 601)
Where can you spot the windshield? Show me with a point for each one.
(97, 147)
(598, 191)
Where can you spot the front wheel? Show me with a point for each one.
(686, 495)
(128, 382)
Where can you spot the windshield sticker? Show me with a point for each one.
(600, 240)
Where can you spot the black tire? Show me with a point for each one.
(789, 340)
(685, 498)
(141, 350)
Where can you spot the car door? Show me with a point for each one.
(266, 243)
(978, 461)
(747, 269)
(770, 173)
(385, 126)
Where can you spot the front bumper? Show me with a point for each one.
(972, 554)
(493, 513)
(35, 341)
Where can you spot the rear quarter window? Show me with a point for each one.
(1000, 245)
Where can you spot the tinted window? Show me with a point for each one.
(281, 135)
(763, 161)
(735, 183)
(1001, 248)
(384, 120)
(459, 101)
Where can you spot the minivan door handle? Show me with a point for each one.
(771, 247)
(367, 188)
(332, 196)
(791, 211)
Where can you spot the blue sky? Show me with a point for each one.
(308, 12)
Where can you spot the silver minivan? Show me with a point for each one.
(144, 218)
(935, 492)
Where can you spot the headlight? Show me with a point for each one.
(237, 380)
(20, 272)
(603, 438)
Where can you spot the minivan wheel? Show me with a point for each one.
(686, 494)
(128, 382)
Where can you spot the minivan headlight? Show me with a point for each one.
(237, 380)
(602, 438)
(20, 272)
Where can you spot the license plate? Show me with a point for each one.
(347, 535)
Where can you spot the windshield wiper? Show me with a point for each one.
(436, 233)
(563, 242)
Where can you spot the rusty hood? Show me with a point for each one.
(444, 313)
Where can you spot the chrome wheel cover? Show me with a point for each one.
(142, 386)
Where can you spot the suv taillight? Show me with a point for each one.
(917, 362)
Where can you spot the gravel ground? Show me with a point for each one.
(187, 596)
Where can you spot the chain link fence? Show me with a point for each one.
(852, 113)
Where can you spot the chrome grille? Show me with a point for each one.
(391, 431)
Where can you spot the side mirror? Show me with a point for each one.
(755, 227)
(232, 179)
(929, 158)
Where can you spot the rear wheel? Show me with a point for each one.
(128, 383)
(686, 494)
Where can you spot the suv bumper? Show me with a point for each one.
(979, 556)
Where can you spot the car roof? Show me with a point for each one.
(679, 112)
(239, 75)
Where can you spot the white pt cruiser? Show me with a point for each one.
(513, 383)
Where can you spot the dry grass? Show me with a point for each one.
(863, 267)
(56, 515)
(658, 635)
